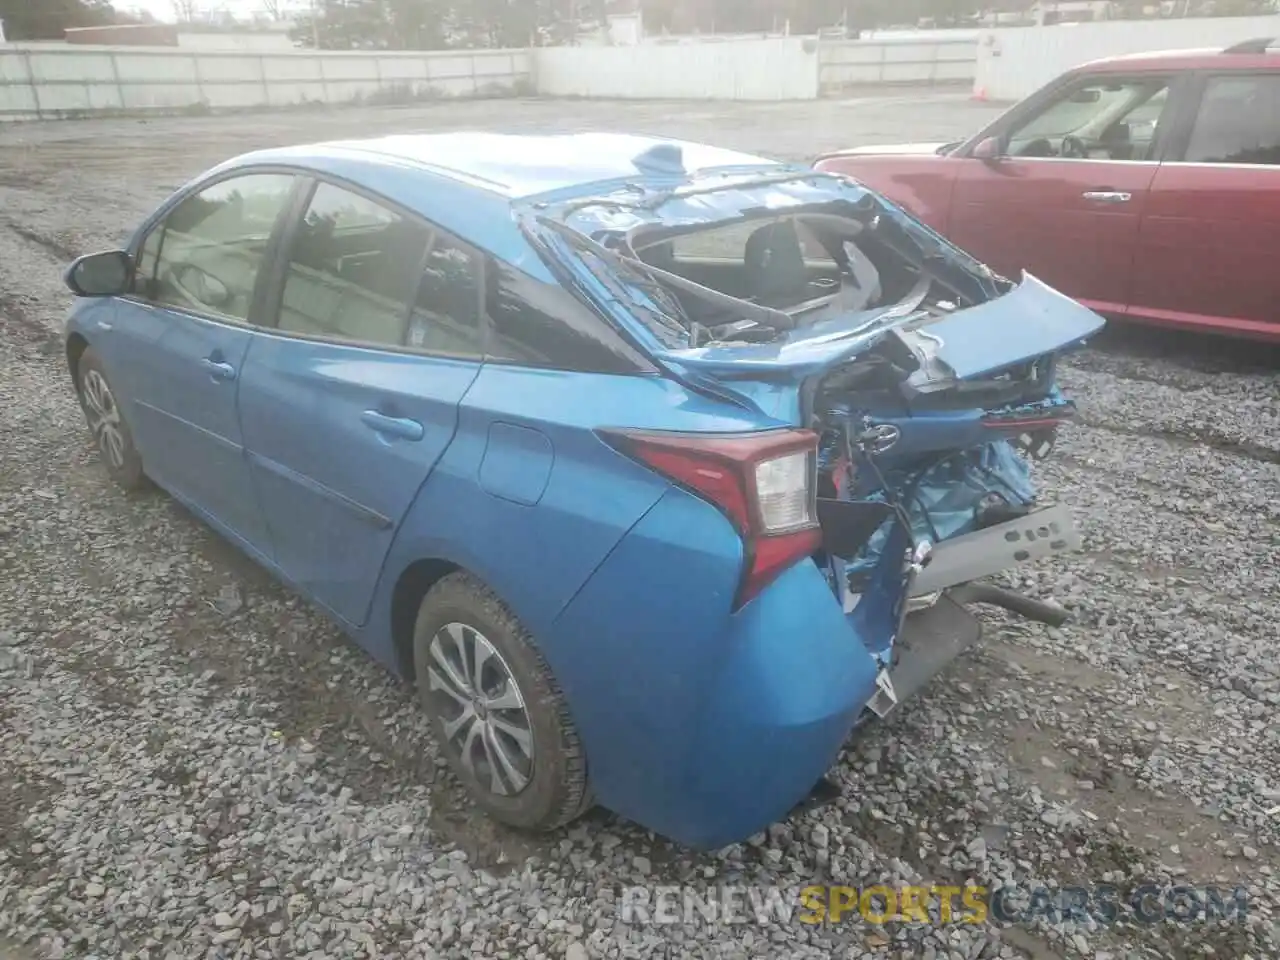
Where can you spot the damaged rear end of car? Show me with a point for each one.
(901, 391)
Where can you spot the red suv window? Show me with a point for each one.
(1238, 122)
(1110, 118)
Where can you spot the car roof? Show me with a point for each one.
(1253, 55)
(521, 166)
(469, 183)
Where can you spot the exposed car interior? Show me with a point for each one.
(804, 266)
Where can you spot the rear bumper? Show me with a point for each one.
(794, 681)
(972, 556)
(931, 639)
(704, 726)
(758, 765)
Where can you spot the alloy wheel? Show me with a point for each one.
(104, 418)
(482, 711)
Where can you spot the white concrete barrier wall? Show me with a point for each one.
(775, 69)
(898, 60)
(782, 68)
(39, 80)
(50, 81)
(1015, 62)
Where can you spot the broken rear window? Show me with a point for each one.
(754, 277)
(803, 266)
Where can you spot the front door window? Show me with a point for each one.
(1108, 119)
(212, 246)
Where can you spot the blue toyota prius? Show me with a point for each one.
(655, 468)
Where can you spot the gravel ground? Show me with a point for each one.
(195, 764)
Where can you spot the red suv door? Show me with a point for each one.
(1211, 230)
(1064, 197)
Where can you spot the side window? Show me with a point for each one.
(352, 270)
(1107, 119)
(541, 324)
(1238, 122)
(446, 313)
(214, 244)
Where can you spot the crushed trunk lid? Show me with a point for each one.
(1030, 321)
(991, 325)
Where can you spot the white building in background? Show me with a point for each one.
(626, 29)
(236, 42)
(621, 30)
(1057, 11)
(262, 36)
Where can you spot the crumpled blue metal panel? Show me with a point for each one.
(945, 499)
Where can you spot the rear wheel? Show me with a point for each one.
(106, 421)
(498, 715)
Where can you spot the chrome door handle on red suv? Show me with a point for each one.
(1107, 196)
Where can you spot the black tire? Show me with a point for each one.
(123, 462)
(556, 790)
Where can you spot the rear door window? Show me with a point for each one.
(446, 314)
(1238, 122)
(353, 270)
(538, 324)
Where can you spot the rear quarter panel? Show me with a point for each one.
(921, 185)
(530, 499)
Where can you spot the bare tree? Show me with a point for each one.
(273, 9)
(186, 11)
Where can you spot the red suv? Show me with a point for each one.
(1147, 187)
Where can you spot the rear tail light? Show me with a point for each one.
(765, 483)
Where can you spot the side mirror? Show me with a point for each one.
(989, 150)
(106, 274)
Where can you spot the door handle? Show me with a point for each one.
(401, 427)
(219, 369)
(1107, 196)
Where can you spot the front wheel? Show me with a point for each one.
(106, 421)
(497, 712)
